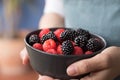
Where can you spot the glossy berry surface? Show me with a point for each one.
(43, 32)
(93, 44)
(67, 47)
(59, 50)
(34, 39)
(51, 51)
(58, 33)
(78, 51)
(80, 41)
(38, 46)
(66, 41)
(49, 44)
(50, 35)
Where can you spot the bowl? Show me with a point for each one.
(55, 65)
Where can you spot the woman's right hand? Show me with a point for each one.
(25, 61)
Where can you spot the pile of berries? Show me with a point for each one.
(65, 41)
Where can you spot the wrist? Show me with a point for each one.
(51, 20)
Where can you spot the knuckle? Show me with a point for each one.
(86, 66)
(107, 60)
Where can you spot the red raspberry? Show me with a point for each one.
(37, 46)
(43, 32)
(59, 49)
(88, 52)
(73, 43)
(51, 51)
(78, 50)
(49, 44)
(58, 32)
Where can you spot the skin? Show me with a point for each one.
(104, 66)
(51, 20)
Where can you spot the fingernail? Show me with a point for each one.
(71, 71)
(25, 60)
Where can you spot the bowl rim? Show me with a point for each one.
(42, 52)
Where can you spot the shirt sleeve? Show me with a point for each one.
(54, 6)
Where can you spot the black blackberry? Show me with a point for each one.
(94, 44)
(68, 34)
(73, 35)
(81, 41)
(34, 39)
(44, 38)
(65, 35)
(67, 47)
(86, 33)
(50, 35)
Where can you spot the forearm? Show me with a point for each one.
(51, 20)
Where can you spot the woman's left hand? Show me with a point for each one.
(104, 66)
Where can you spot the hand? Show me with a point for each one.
(104, 66)
(25, 61)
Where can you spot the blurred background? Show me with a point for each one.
(17, 18)
(20, 14)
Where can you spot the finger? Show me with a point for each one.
(45, 78)
(102, 75)
(24, 56)
(88, 65)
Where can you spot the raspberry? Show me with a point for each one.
(59, 49)
(94, 44)
(37, 46)
(49, 44)
(88, 52)
(73, 43)
(58, 33)
(33, 39)
(81, 41)
(65, 41)
(50, 35)
(78, 50)
(67, 47)
(51, 51)
(43, 32)
(81, 31)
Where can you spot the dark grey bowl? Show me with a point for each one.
(55, 65)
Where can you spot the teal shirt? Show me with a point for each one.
(101, 17)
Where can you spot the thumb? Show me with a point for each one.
(24, 56)
(87, 65)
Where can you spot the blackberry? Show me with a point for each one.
(94, 44)
(73, 35)
(81, 31)
(44, 38)
(67, 47)
(65, 35)
(34, 39)
(81, 41)
(68, 34)
(50, 35)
